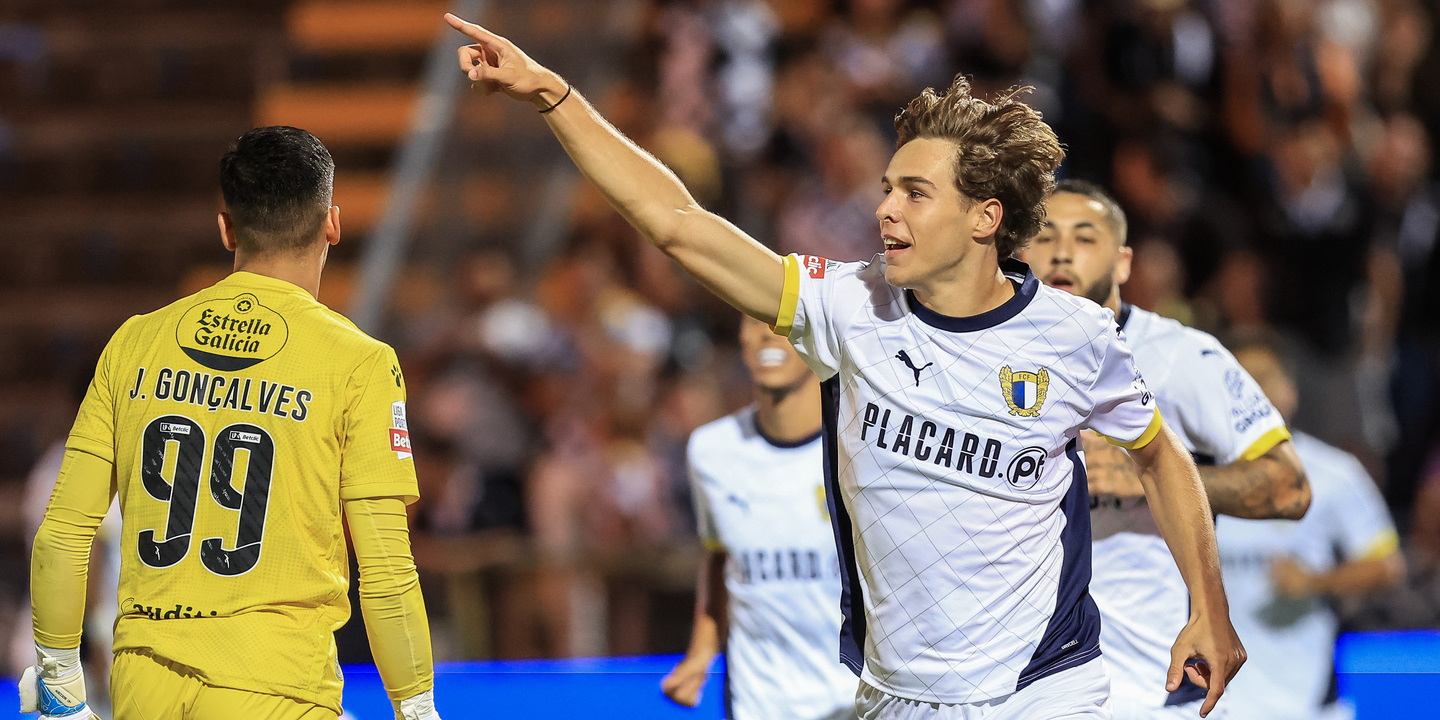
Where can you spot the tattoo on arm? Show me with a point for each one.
(1266, 487)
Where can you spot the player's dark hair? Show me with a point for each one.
(277, 182)
(1005, 152)
(1114, 214)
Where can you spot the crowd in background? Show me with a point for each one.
(1275, 158)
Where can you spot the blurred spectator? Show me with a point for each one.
(886, 52)
(833, 215)
(1405, 329)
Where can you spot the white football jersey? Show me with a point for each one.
(1221, 416)
(1291, 643)
(951, 447)
(763, 502)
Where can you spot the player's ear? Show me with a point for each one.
(332, 225)
(988, 214)
(227, 231)
(1122, 266)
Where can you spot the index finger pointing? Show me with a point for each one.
(473, 31)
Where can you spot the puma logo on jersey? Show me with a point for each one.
(739, 501)
(904, 357)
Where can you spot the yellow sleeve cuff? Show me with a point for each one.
(712, 544)
(1150, 432)
(789, 297)
(1266, 443)
(1382, 546)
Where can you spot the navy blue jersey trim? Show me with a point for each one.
(783, 444)
(1073, 635)
(1013, 269)
(852, 598)
(1124, 318)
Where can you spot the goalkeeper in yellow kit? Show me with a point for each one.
(236, 425)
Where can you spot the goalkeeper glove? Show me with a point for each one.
(418, 707)
(55, 685)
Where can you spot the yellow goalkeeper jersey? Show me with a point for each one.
(237, 420)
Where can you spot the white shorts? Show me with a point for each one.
(1130, 710)
(1080, 693)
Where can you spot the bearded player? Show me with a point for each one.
(239, 426)
(954, 388)
(1247, 462)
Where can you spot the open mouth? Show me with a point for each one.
(893, 243)
(1061, 281)
(771, 357)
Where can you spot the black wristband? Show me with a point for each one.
(568, 89)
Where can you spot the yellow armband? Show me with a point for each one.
(789, 298)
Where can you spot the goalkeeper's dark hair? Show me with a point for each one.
(1114, 214)
(1005, 152)
(277, 182)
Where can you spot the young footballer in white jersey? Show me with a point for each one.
(769, 591)
(1281, 574)
(1246, 459)
(955, 388)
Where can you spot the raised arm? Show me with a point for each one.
(1177, 499)
(732, 264)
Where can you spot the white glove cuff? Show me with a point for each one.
(419, 707)
(57, 663)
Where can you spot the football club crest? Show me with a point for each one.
(1024, 391)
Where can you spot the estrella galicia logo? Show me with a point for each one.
(231, 334)
(904, 357)
(1025, 468)
(1024, 391)
(1234, 383)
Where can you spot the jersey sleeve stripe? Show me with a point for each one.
(789, 297)
(1382, 545)
(1266, 443)
(1150, 432)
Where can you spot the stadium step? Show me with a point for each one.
(363, 26)
(358, 114)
